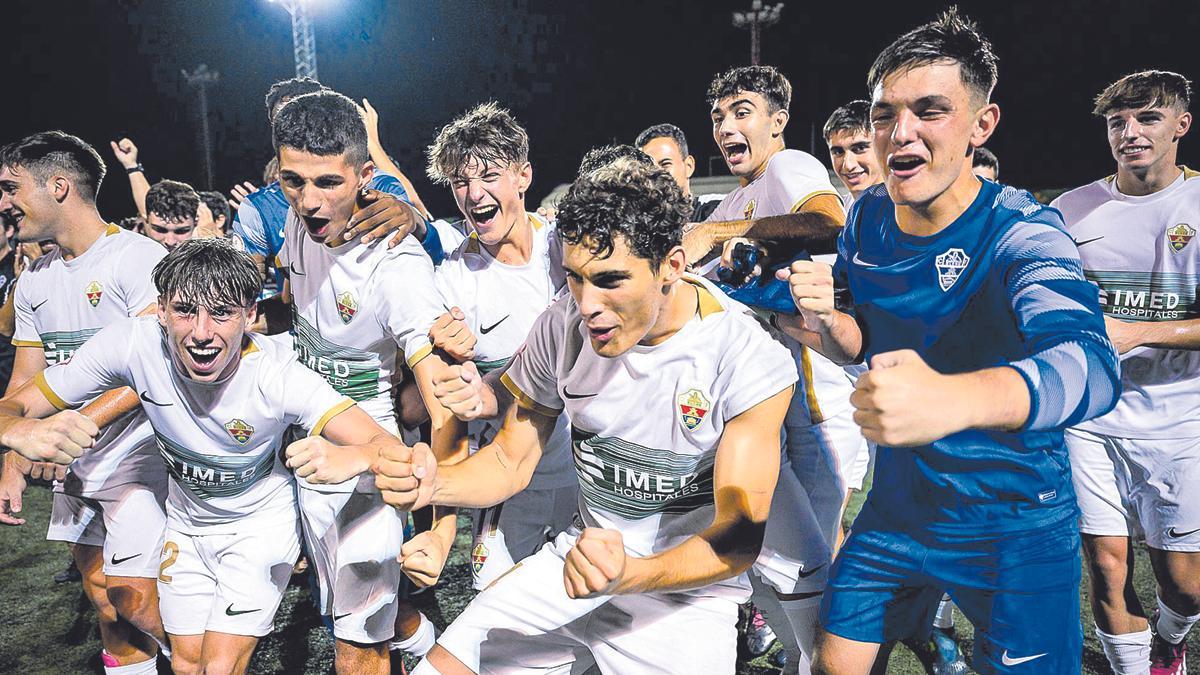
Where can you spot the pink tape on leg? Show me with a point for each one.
(109, 660)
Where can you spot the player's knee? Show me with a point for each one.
(1181, 591)
(183, 664)
(132, 600)
(221, 665)
(1108, 563)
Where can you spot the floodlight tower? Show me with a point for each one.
(304, 43)
(756, 19)
(202, 77)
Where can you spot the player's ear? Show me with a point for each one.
(162, 311)
(365, 174)
(986, 121)
(1182, 125)
(689, 165)
(59, 187)
(524, 178)
(779, 120)
(674, 265)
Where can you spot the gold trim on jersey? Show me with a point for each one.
(810, 390)
(804, 200)
(419, 356)
(250, 348)
(43, 386)
(1188, 173)
(112, 229)
(333, 412)
(27, 343)
(277, 263)
(473, 245)
(709, 304)
(525, 401)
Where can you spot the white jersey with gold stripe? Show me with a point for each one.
(59, 304)
(501, 302)
(357, 309)
(791, 179)
(1140, 252)
(646, 424)
(221, 441)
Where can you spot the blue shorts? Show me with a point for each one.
(1021, 592)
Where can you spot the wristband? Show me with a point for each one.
(136, 168)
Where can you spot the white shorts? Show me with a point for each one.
(353, 541)
(829, 458)
(525, 623)
(127, 521)
(795, 556)
(1144, 488)
(227, 583)
(514, 530)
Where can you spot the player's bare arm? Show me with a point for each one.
(819, 325)
(127, 155)
(451, 334)
(1127, 335)
(349, 444)
(383, 160)
(815, 226)
(382, 214)
(34, 427)
(744, 475)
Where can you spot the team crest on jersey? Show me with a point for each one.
(692, 408)
(950, 266)
(1180, 235)
(748, 212)
(93, 292)
(240, 431)
(347, 307)
(479, 556)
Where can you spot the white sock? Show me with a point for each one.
(1128, 653)
(147, 667)
(421, 641)
(944, 618)
(1173, 626)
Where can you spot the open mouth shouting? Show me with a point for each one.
(905, 166)
(482, 216)
(318, 227)
(204, 359)
(735, 153)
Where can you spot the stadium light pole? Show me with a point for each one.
(756, 19)
(304, 43)
(201, 78)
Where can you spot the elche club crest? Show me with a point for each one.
(1179, 236)
(692, 408)
(93, 292)
(347, 306)
(950, 266)
(748, 212)
(479, 556)
(240, 431)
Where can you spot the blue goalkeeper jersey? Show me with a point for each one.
(1000, 286)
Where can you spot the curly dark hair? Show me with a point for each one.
(487, 134)
(628, 199)
(208, 273)
(854, 116)
(984, 157)
(43, 154)
(607, 154)
(132, 223)
(172, 201)
(1147, 89)
(763, 80)
(282, 92)
(217, 204)
(325, 123)
(664, 130)
(950, 38)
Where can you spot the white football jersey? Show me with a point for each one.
(646, 425)
(791, 179)
(1140, 252)
(221, 441)
(501, 302)
(357, 310)
(59, 304)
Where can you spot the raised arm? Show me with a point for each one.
(127, 156)
(744, 475)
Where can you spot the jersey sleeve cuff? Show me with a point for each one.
(333, 412)
(525, 401)
(419, 356)
(26, 343)
(43, 386)
(805, 199)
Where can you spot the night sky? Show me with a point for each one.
(577, 74)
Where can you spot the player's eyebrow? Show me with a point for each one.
(933, 101)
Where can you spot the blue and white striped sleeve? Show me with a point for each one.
(248, 224)
(1072, 370)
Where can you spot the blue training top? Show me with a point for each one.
(1001, 285)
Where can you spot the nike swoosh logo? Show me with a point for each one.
(1172, 533)
(804, 574)
(859, 261)
(117, 561)
(145, 396)
(492, 327)
(576, 396)
(1079, 243)
(292, 270)
(230, 611)
(35, 307)
(341, 616)
(1010, 661)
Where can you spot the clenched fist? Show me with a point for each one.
(59, 438)
(318, 461)
(126, 152)
(811, 284)
(901, 401)
(423, 557)
(595, 565)
(460, 390)
(404, 476)
(451, 335)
